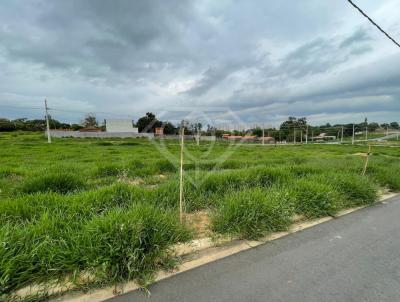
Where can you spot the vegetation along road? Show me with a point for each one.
(91, 213)
(352, 258)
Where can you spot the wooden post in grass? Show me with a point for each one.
(47, 122)
(181, 175)
(366, 160)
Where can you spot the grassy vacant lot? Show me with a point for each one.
(101, 211)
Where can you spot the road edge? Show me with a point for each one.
(204, 251)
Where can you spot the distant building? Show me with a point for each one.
(90, 129)
(120, 126)
(324, 137)
(159, 131)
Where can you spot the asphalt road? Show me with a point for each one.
(352, 258)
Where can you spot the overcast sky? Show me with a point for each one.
(262, 59)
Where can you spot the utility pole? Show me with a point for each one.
(181, 175)
(312, 135)
(263, 139)
(353, 136)
(341, 139)
(294, 135)
(198, 134)
(387, 130)
(366, 133)
(47, 122)
(307, 135)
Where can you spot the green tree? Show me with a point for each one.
(169, 128)
(148, 123)
(90, 121)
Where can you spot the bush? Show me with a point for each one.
(59, 182)
(252, 213)
(314, 198)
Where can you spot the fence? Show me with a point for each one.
(79, 134)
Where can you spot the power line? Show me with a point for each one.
(372, 21)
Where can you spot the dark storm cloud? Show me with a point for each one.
(260, 58)
(96, 37)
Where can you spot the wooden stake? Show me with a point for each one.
(181, 177)
(366, 161)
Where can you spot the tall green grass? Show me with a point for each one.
(119, 245)
(84, 215)
(53, 182)
(252, 213)
(314, 198)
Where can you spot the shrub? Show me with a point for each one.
(53, 182)
(252, 213)
(314, 198)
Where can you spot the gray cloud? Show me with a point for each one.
(263, 59)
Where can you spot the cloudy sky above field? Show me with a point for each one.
(264, 60)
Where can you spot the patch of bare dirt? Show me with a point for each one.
(360, 154)
(130, 181)
(200, 222)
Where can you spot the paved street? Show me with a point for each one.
(352, 258)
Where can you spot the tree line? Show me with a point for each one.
(286, 131)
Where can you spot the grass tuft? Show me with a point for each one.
(252, 213)
(58, 182)
(314, 198)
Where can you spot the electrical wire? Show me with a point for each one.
(373, 22)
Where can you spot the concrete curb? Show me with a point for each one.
(195, 254)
